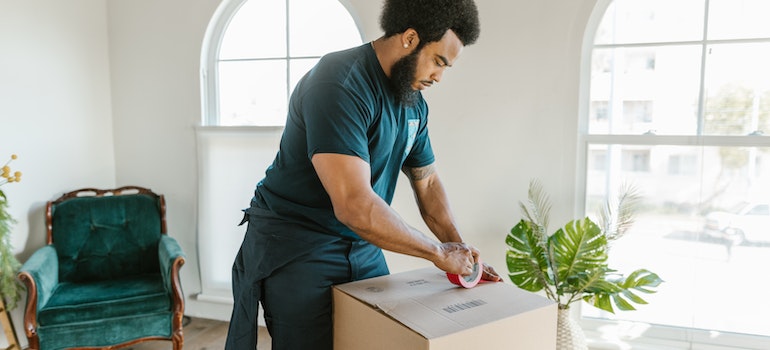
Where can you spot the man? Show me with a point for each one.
(322, 213)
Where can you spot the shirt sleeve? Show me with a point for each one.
(336, 120)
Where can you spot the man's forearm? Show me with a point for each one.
(433, 203)
(347, 181)
(378, 223)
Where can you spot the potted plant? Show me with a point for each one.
(571, 264)
(10, 287)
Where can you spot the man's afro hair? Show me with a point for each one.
(431, 19)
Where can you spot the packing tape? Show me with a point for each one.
(469, 281)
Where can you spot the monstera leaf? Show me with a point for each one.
(578, 248)
(527, 259)
(621, 291)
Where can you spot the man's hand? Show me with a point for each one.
(459, 258)
(456, 258)
(490, 274)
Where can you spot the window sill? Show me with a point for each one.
(622, 335)
(237, 129)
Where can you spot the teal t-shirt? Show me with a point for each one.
(343, 105)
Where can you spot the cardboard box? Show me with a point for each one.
(421, 309)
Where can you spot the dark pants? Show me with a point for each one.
(292, 278)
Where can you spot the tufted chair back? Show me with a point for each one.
(106, 234)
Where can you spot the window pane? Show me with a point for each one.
(258, 30)
(645, 89)
(731, 19)
(633, 21)
(312, 34)
(702, 227)
(737, 89)
(245, 98)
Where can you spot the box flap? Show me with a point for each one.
(425, 301)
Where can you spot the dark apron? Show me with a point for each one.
(290, 269)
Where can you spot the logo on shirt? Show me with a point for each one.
(412, 126)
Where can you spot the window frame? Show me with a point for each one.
(626, 332)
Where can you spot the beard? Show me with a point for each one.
(402, 76)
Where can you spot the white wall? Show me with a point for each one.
(55, 109)
(155, 49)
(506, 113)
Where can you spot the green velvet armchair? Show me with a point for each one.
(109, 275)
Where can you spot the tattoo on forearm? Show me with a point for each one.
(416, 174)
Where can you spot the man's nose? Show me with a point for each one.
(436, 77)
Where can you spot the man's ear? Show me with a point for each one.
(410, 39)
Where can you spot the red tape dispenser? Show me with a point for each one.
(469, 281)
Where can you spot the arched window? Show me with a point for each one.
(254, 53)
(676, 101)
(261, 49)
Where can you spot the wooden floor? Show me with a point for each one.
(203, 334)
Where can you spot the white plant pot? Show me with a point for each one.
(569, 335)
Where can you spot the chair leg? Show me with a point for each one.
(32, 340)
(178, 340)
(34, 343)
